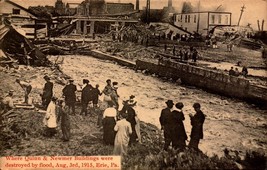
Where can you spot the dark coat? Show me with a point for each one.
(166, 120)
(48, 90)
(69, 93)
(178, 125)
(87, 94)
(197, 122)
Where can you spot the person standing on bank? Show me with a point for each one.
(27, 87)
(166, 120)
(50, 120)
(64, 119)
(124, 130)
(70, 96)
(47, 92)
(86, 96)
(179, 135)
(107, 91)
(197, 122)
(114, 95)
(109, 122)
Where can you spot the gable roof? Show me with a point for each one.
(21, 7)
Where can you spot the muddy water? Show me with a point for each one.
(229, 123)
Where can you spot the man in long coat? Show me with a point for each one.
(197, 122)
(86, 96)
(70, 96)
(166, 123)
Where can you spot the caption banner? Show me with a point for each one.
(61, 162)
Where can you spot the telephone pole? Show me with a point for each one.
(147, 11)
(242, 10)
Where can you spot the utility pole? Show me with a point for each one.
(147, 11)
(198, 15)
(242, 10)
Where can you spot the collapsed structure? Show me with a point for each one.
(15, 46)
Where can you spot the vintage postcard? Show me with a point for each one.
(133, 84)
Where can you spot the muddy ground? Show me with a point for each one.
(230, 123)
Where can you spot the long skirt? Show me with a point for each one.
(65, 128)
(108, 128)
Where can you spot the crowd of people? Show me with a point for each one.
(121, 128)
(171, 120)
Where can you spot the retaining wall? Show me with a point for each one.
(209, 80)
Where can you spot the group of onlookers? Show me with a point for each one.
(236, 73)
(119, 126)
(171, 120)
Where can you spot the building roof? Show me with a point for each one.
(205, 12)
(115, 3)
(21, 7)
(73, 5)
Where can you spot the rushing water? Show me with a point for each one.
(230, 123)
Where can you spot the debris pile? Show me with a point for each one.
(18, 48)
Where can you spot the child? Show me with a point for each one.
(50, 118)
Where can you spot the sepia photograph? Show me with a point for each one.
(133, 84)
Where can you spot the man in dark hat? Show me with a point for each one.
(197, 122)
(70, 96)
(166, 123)
(47, 92)
(86, 95)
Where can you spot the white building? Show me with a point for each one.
(202, 22)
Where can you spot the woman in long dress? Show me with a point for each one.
(109, 122)
(50, 120)
(124, 130)
(179, 135)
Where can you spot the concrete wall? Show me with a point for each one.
(209, 80)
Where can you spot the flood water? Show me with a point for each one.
(230, 123)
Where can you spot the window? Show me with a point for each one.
(185, 20)
(181, 18)
(188, 18)
(16, 11)
(220, 19)
(226, 19)
(213, 19)
(195, 18)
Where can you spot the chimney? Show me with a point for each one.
(169, 3)
(137, 5)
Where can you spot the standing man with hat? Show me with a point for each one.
(47, 92)
(166, 123)
(70, 96)
(197, 122)
(86, 95)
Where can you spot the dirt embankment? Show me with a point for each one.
(23, 132)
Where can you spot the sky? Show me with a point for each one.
(254, 9)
